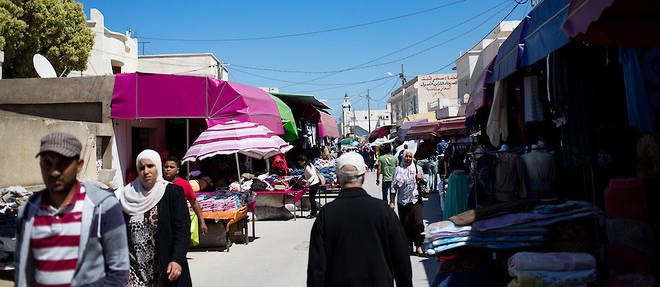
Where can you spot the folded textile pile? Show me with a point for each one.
(505, 229)
(12, 197)
(552, 269)
(223, 200)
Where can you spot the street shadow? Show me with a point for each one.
(432, 213)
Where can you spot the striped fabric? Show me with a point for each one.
(54, 241)
(247, 138)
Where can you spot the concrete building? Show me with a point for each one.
(470, 65)
(357, 121)
(112, 52)
(200, 64)
(2, 61)
(424, 93)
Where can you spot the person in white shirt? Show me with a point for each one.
(312, 180)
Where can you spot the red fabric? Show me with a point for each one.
(625, 197)
(187, 189)
(280, 162)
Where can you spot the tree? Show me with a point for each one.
(56, 29)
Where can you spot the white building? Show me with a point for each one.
(200, 64)
(112, 52)
(357, 121)
(470, 65)
(424, 93)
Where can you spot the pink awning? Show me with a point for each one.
(328, 126)
(142, 95)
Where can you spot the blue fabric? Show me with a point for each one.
(462, 278)
(508, 56)
(544, 33)
(642, 82)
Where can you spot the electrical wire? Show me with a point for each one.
(364, 65)
(308, 33)
(318, 84)
(380, 57)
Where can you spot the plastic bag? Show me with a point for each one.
(194, 229)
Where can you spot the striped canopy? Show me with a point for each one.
(247, 138)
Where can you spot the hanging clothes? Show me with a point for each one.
(541, 173)
(510, 178)
(642, 80)
(533, 105)
(497, 128)
(456, 198)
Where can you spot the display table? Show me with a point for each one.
(238, 216)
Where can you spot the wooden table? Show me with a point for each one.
(232, 217)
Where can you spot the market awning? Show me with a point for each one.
(423, 131)
(478, 95)
(379, 132)
(430, 116)
(143, 95)
(403, 129)
(509, 54)
(544, 33)
(301, 99)
(327, 126)
(288, 122)
(614, 22)
(452, 124)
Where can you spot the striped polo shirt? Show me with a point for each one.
(54, 241)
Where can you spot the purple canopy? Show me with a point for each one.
(143, 95)
(403, 130)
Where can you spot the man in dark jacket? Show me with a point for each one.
(357, 240)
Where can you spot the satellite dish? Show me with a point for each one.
(43, 66)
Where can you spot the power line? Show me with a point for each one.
(319, 84)
(307, 33)
(378, 58)
(364, 65)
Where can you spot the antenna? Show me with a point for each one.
(43, 66)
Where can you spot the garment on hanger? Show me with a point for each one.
(456, 198)
(510, 177)
(498, 121)
(642, 81)
(541, 173)
(533, 106)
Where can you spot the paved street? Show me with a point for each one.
(278, 256)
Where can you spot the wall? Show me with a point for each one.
(123, 154)
(425, 93)
(110, 48)
(203, 64)
(360, 118)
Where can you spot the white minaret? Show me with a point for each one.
(345, 109)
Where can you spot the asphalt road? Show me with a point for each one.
(278, 255)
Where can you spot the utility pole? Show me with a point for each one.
(403, 92)
(369, 109)
(144, 44)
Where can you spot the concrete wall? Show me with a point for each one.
(110, 49)
(32, 108)
(425, 93)
(203, 64)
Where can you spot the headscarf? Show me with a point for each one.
(405, 175)
(134, 197)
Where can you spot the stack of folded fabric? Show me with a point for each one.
(552, 269)
(504, 226)
(224, 200)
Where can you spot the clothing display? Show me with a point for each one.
(510, 177)
(641, 79)
(541, 173)
(498, 121)
(224, 200)
(456, 198)
(551, 261)
(533, 105)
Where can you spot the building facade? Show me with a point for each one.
(470, 65)
(358, 122)
(424, 93)
(200, 64)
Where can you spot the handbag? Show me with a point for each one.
(320, 176)
(422, 187)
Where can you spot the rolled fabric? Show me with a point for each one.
(551, 261)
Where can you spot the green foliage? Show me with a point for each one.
(56, 29)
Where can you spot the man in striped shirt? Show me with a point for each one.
(70, 234)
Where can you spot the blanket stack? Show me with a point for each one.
(552, 269)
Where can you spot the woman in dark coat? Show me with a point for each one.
(158, 224)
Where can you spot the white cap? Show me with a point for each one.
(354, 159)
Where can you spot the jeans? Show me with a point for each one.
(386, 190)
(433, 174)
(312, 198)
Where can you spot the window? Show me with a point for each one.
(116, 70)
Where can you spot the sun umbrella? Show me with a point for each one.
(288, 122)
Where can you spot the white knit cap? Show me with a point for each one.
(354, 159)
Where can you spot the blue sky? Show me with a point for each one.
(322, 52)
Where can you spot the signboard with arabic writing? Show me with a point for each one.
(443, 85)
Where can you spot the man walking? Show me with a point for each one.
(357, 240)
(171, 174)
(387, 163)
(71, 233)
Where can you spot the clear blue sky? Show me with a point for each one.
(212, 20)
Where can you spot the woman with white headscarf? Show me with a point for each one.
(158, 226)
(411, 211)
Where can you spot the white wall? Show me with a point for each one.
(202, 64)
(110, 48)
